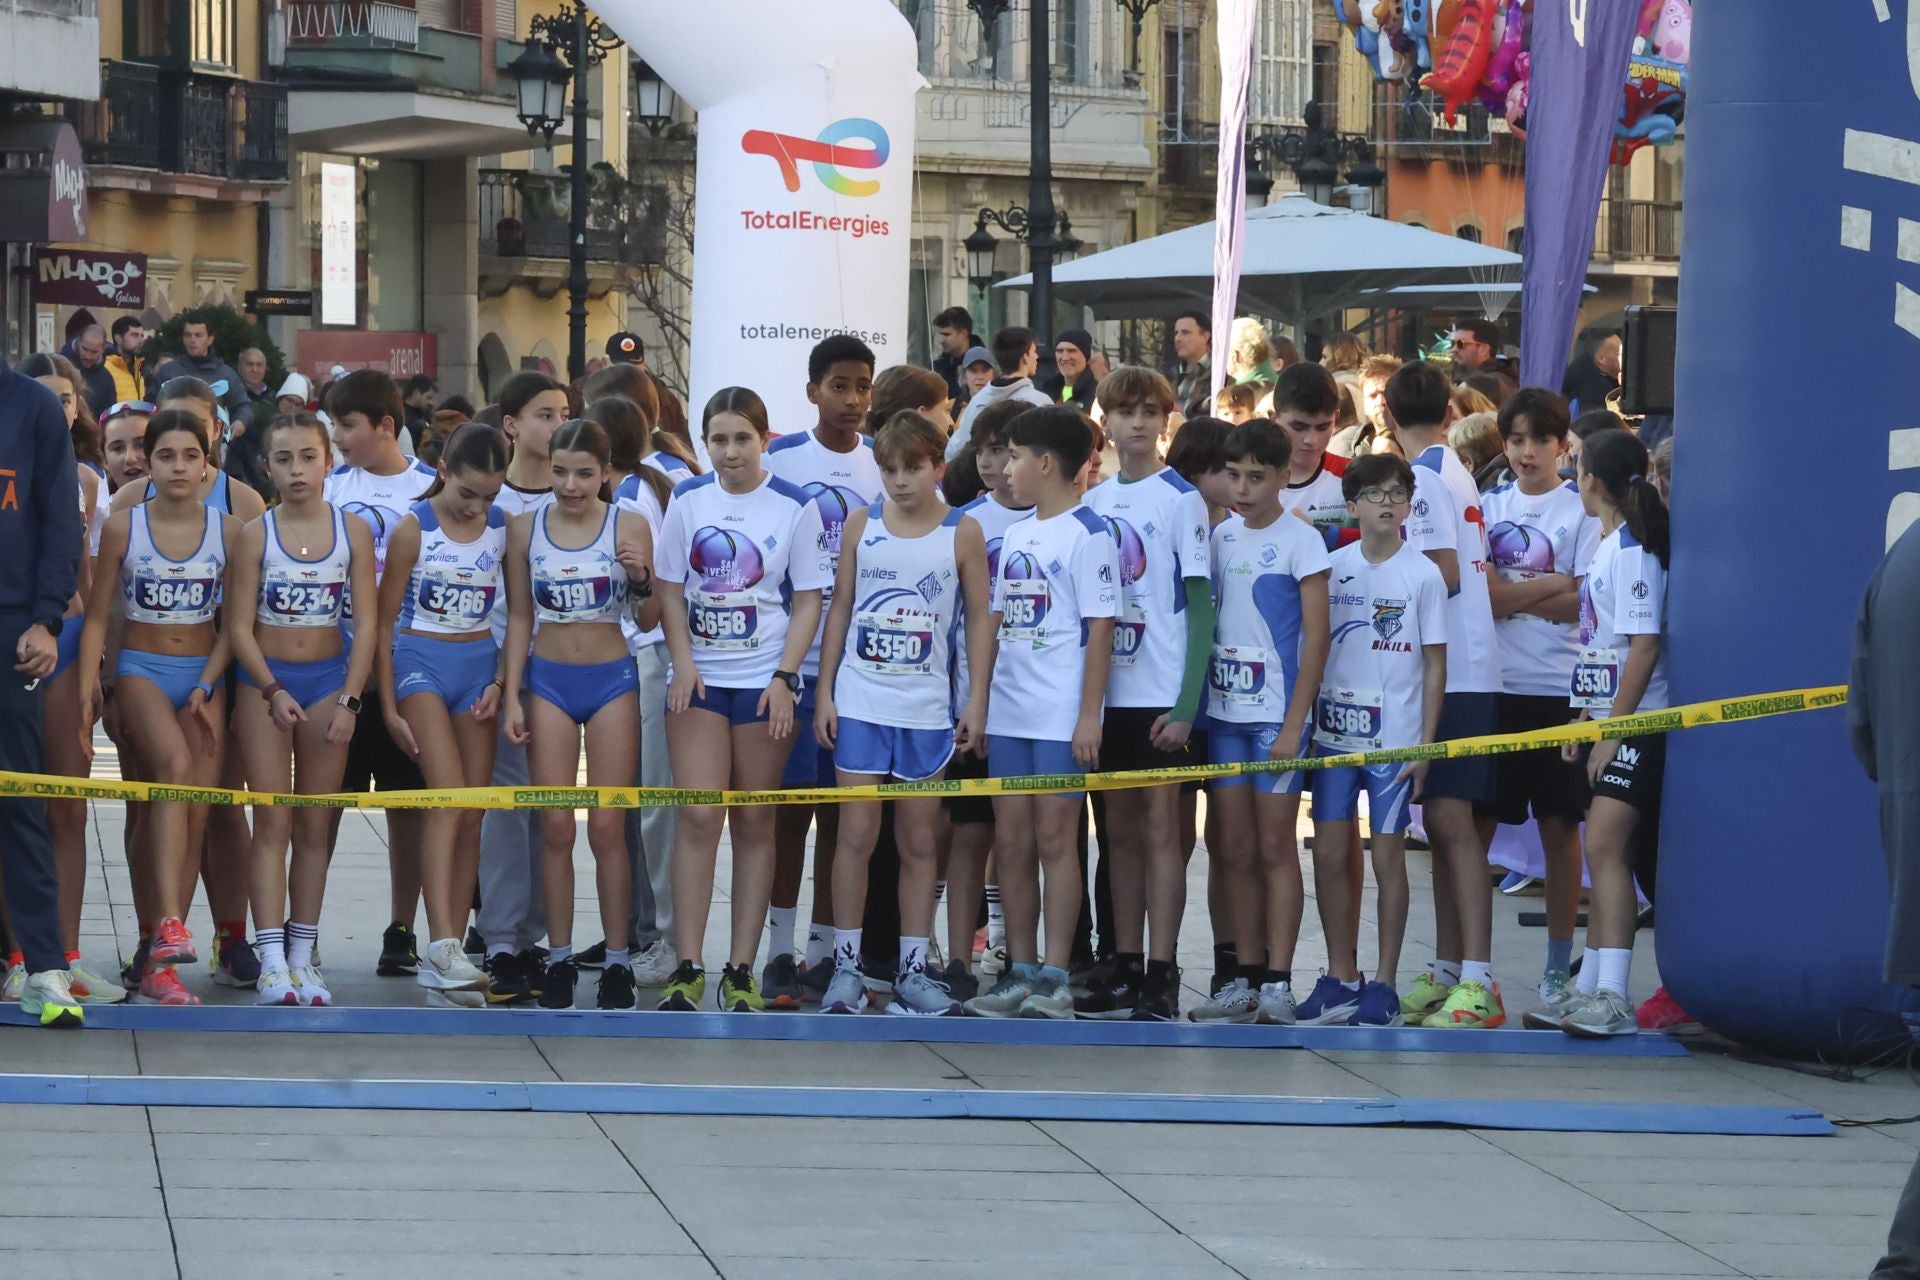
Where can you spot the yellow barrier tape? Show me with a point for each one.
(1691, 716)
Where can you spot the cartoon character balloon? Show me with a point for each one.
(1656, 92)
(1469, 49)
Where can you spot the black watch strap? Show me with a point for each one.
(791, 679)
(54, 625)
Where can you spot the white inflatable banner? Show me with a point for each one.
(804, 189)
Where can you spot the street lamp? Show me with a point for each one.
(1136, 10)
(1314, 153)
(574, 35)
(653, 98)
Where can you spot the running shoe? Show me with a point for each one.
(1469, 1006)
(233, 962)
(1275, 1006)
(46, 996)
(846, 993)
(89, 987)
(1379, 1007)
(1330, 1003)
(475, 945)
(1663, 1013)
(1235, 1002)
(400, 953)
(994, 961)
(1553, 1011)
(1090, 973)
(162, 986)
(556, 989)
(1052, 997)
(1159, 1000)
(616, 988)
(15, 985)
(653, 966)
(446, 968)
(312, 986)
(1111, 1000)
(533, 963)
(1004, 999)
(1426, 994)
(918, 994)
(780, 983)
(814, 981)
(738, 993)
(935, 960)
(135, 969)
(960, 981)
(276, 986)
(508, 981)
(1555, 984)
(172, 944)
(1604, 1014)
(1518, 882)
(979, 944)
(594, 957)
(684, 990)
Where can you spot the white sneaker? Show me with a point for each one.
(653, 966)
(993, 961)
(312, 987)
(1235, 1002)
(89, 987)
(935, 961)
(46, 996)
(15, 984)
(1605, 1013)
(276, 986)
(1275, 1007)
(445, 967)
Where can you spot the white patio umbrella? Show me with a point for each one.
(1305, 262)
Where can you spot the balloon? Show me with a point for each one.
(1348, 12)
(1656, 90)
(1446, 16)
(1416, 14)
(1517, 95)
(1673, 31)
(1457, 77)
(1513, 36)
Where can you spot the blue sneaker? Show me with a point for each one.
(1517, 882)
(1379, 1007)
(1331, 1003)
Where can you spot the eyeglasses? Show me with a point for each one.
(122, 408)
(1380, 497)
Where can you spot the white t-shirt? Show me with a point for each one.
(839, 485)
(515, 501)
(740, 558)
(1529, 535)
(1054, 575)
(380, 501)
(1321, 500)
(1159, 525)
(1624, 594)
(1257, 577)
(994, 521)
(1382, 616)
(1446, 517)
(635, 494)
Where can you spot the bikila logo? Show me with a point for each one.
(825, 154)
(1386, 617)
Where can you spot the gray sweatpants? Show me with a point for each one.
(1903, 1240)
(650, 831)
(513, 911)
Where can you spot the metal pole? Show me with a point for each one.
(1040, 243)
(577, 219)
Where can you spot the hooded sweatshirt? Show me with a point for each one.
(993, 393)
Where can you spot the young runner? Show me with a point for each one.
(1306, 402)
(833, 465)
(1161, 647)
(1539, 539)
(1386, 677)
(440, 683)
(1447, 527)
(1055, 599)
(584, 558)
(298, 565)
(741, 565)
(123, 445)
(1622, 669)
(884, 707)
(1269, 650)
(166, 559)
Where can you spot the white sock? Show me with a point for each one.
(939, 892)
(1615, 962)
(271, 943)
(996, 918)
(913, 953)
(1589, 980)
(1480, 971)
(621, 959)
(846, 949)
(780, 930)
(301, 939)
(820, 943)
(495, 949)
(560, 952)
(1446, 972)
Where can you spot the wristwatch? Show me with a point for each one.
(351, 703)
(792, 680)
(54, 625)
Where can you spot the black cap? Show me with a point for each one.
(626, 348)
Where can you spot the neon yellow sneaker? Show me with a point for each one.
(1470, 1005)
(684, 990)
(738, 992)
(1422, 998)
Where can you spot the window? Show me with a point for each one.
(1516, 239)
(1281, 72)
(200, 31)
(923, 15)
(212, 35)
(1180, 84)
(970, 53)
(1069, 24)
(1470, 233)
(1326, 78)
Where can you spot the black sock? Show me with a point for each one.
(1130, 963)
(1160, 972)
(1255, 974)
(1226, 958)
(1280, 975)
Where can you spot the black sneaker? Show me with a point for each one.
(1091, 972)
(399, 953)
(1112, 1000)
(1159, 1001)
(508, 981)
(594, 957)
(960, 980)
(556, 990)
(616, 988)
(475, 946)
(533, 963)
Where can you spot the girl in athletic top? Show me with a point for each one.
(218, 490)
(167, 560)
(123, 443)
(742, 564)
(583, 557)
(298, 565)
(440, 682)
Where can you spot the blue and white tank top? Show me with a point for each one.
(907, 606)
(577, 584)
(219, 498)
(303, 593)
(454, 584)
(162, 591)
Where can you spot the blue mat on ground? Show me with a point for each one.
(902, 1104)
(864, 1029)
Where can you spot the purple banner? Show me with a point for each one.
(1580, 50)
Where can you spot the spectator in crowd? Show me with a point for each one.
(198, 360)
(126, 362)
(908, 386)
(1475, 438)
(457, 404)
(1072, 381)
(625, 348)
(252, 368)
(1284, 353)
(977, 369)
(294, 395)
(1476, 346)
(953, 331)
(88, 352)
(1238, 402)
(1468, 400)
(1592, 377)
(1250, 353)
(1374, 432)
(1343, 357)
(1496, 385)
(1016, 352)
(418, 394)
(1193, 345)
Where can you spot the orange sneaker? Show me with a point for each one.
(162, 986)
(172, 944)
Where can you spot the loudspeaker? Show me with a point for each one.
(1646, 379)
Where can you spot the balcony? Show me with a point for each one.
(1638, 231)
(1415, 127)
(523, 219)
(203, 126)
(348, 24)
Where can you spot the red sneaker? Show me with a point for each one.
(172, 944)
(162, 986)
(1663, 1013)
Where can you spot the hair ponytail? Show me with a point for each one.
(1620, 465)
(475, 447)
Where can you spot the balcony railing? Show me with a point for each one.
(525, 214)
(1638, 231)
(211, 126)
(350, 24)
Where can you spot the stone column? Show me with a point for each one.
(450, 270)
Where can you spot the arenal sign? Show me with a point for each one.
(84, 278)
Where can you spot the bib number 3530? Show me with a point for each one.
(1596, 679)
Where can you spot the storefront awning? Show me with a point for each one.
(405, 124)
(43, 184)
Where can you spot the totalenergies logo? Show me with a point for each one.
(825, 153)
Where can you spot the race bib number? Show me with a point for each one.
(1237, 676)
(891, 644)
(173, 595)
(1129, 634)
(1350, 718)
(724, 626)
(1596, 678)
(455, 605)
(293, 603)
(1024, 612)
(574, 595)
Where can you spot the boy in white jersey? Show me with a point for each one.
(1385, 680)
(1447, 527)
(1054, 602)
(1306, 404)
(1160, 649)
(834, 464)
(379, 484)
(1539, 540)
(885, 704)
